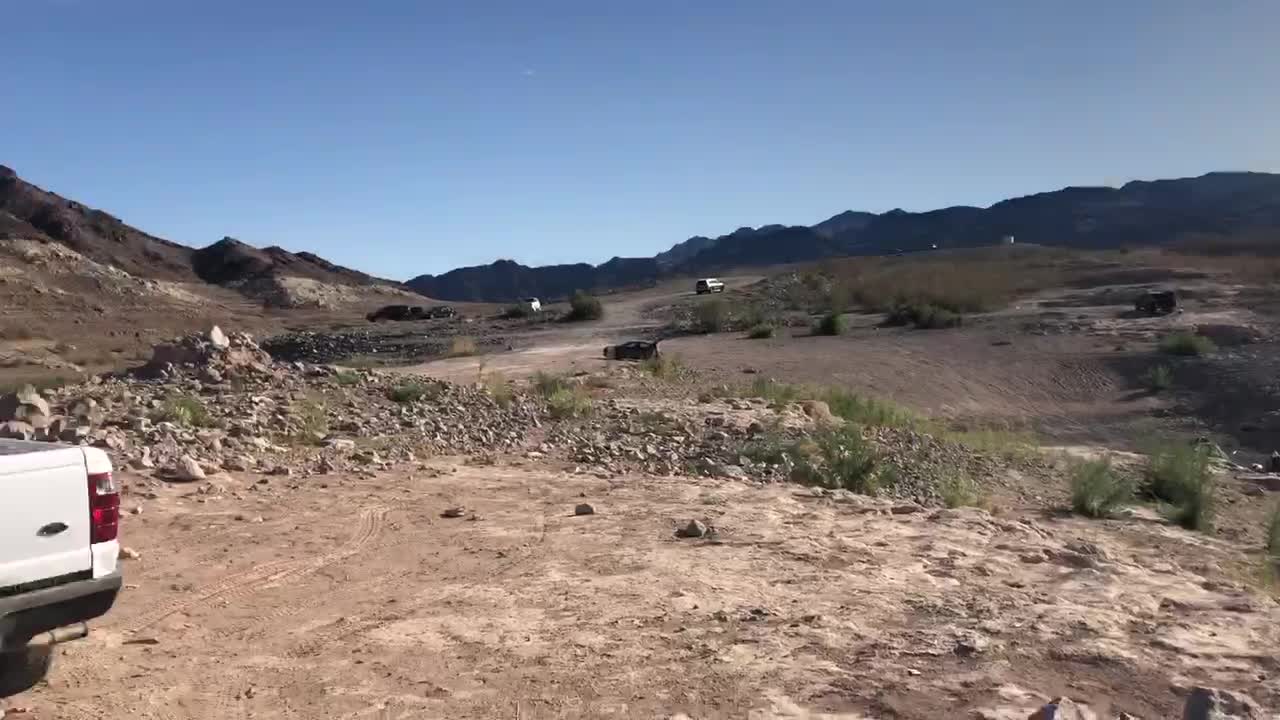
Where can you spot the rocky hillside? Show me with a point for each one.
(1216, 205)
(29, 214)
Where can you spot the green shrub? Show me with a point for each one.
(711, 315)
(1273, 531)
(517, 312)
(314, 420)
(923, 316)
(1179, 477)
(774, 391)
(499, 389)
(1011, 445)
(187, 410)
(411, 391)
(830, 324)
(584, 307)
(838, 458)
(1185, 343)
(1097, 491)
(957, 489)
(664, 367)
(569, 402)
(547, 384)
(865, 410)
(760, 332)
(1158, 378)
(346, 377)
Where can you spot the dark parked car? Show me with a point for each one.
(634, 350)
(1156, 303)
(441, 312)
(392, 312)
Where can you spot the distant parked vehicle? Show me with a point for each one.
(442, 312)
(1156, 303)
(392, 312)
(533, 304)
(708, 285)
(633, 350)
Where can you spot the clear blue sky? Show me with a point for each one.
(409, 136)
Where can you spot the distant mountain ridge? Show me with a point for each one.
(1141, 212)
(28, 212)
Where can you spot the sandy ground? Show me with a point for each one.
(355, 599)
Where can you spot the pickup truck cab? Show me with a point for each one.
(708, 285)
(59, 549)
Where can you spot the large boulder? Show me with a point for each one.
(1214, 704)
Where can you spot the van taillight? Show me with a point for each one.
(104, 507)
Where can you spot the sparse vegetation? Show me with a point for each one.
(347, 378)
(1158, 378)
(830, 324)
(1186, 343)
(1012, 445)
(664, 367)
(185, 410)
(958, 489)
(1178, 476)
(313, 418)
(499, 389)
(923, 316)
(584, 307)
(462, 346)
(1273, 531)
(519, 311)
(547, 384)
(864, 410)
(711, 315)
(838, 458)
(570, 401)
(1097, 490)
(760, 332)
(412, 391)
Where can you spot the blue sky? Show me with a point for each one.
(402, 137)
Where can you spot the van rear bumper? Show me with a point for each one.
(31, 613)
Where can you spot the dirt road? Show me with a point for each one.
(571, 347)
(355, 599)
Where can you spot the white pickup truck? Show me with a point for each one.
(59, 521)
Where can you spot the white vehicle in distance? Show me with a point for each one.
(59, 548)
(708, 285)
(534, 304)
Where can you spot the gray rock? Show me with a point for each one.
(188, 470)
(454, 512)
(344, 444)
(16, 430)
(1214, 704)
(1063, 709)
(695, 529)
(906, 509)
(584, 509)
(218, 339)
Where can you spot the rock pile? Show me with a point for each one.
(218, 402)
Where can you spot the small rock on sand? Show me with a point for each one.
(695, 529)
(1214, 704)
(584, 509)
(454, 512)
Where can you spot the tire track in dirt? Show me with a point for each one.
(241, 584)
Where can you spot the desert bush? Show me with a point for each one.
(838, 458)
(864, 410)
(1158, 378)
(958, 489)
(711, 315)
(1179, 477)
(1273, 531)
(519, 311)
(1012, 445)
(1186, 343)
(499, 389)
(547, 384)
(923, 316)
(664, 367)
(584, 307)
(411, 391)
(1097, 490)
(462, 346)
(313, 418)
(830, 324)
(569, 402)
(760, 332)
(774, 391)
(187, 410)
(346, 378)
